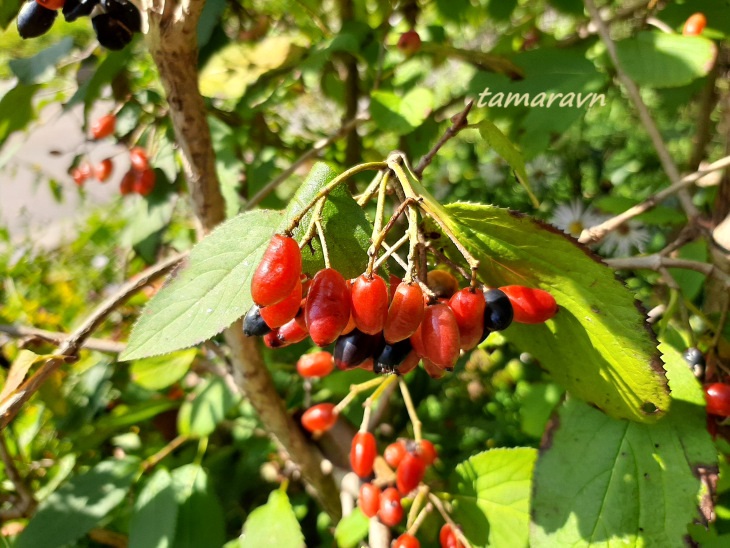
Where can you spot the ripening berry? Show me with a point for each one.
(498, 313)
(354, 348)
(81, 173)
(320, 417)
(391, 511)
(369, 303)
(409, 473)
(369, 499)
(717, 396)
(448, 538)
(291, 332)
(434, 371)
(530, 305)
(144, 183)
(104, 126)
(126, 186)
(442, 283)
(694, 25)
(409, 363)
(440, 335)
(271, 339)
(316, 364)
(393, 283)
(138, 158)
(394, 453)
(409, 42)
(406, 541)
(362, 454)
(278, 314)
(253, 324)
(327, 311)
(278, 272)
(392, 355)
(405, 313)
(51, 4)
(427, 452)
(103, 170)
(468, 306)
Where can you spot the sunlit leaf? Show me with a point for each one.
(155, 513)
(273, 524)
(162, 371)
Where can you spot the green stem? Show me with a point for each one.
(411, 409)
(378, 225)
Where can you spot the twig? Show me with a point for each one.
(657, 262)
(57, 339)
(150, 462)
(459, 123)
(12, 473)
(670, 168)
(597, 233)
(11, 405)
(444, 514)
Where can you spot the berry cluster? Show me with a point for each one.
(386, 328)
(114, 21)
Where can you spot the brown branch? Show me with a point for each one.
(670, 168)
(57, 339)
(70, 346)
(658, 262)
(458, 123)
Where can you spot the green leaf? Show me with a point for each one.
(17, 108)
(352, 529)
(80, 504)
(162, 371)
(597, 346)
(155, 513)
(690, 282)
(210, 293)
(8, 10)
(103, 73)
(401, 115)
(658, 215)
(608, 482)
(18, 370)
(211, 401)
(41, 68)
(661, 60)
(491, 496)
(273, 524)
(200, 517)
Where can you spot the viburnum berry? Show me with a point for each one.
(468, 307)
(138, 158)
(434, 371)
(104, 126)
(717, 397)
(126, 186)
(327, 311)
(409, 42)
(394, 453)
(442, 283)
(530, 305)
(278, 272)
(103, 170)
(409, 473)
(292, 332)
(498, 313)
(694, 25)
(271, 339)
(319, 418)
(427, 452)
(316, 364)
(448, 538)
(51, 4)
(369, 499)
(144, 183)
(253, 324)
(362, 454)
(440, 335)
(354, 348)
(392, 355)
(391, 511)
(406, 541)
(409, 363)
(369, 303)
(405, 313)
(34, 20)
(81, 173)
(278, 314)
(393, 283)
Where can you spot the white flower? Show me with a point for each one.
(574, 217)
(492, 173)
(543, 170)
(620, 242)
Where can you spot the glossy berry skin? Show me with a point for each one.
(369, 499)
(278, 314)
(391, 511)
(442, 283)
(104, 126)
(434, 371)
(271, 339)
(111, 33)
(319, 418)
(409, 42)
(409, 473)
(440, 335)
(394, 453)
(369, 303)
(717, 396)
(468, 307)
(427, 452)
(34, 20)
(406, 541)
(498, 313)
(315, 365)
(404, 314)
(138, 159)
(530, 305)
(354, 348)
(253, 324)
(447, 537)
(81, 173)
(362, 454)
(73, 9)
(278, 272)
(392, 355)
(409, 363)
(327, 311)
(694, 25)
(144, 183)
(693, 356)
(126, 186)
(52, 4)
(103, 170)
(291, 332)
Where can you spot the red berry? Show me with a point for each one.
(409, 364)
(51, 4)
(468, 307)
(717, 396)
(328, 307)
(369, 500)
(695, 24)
(292, 332)
(434, 371)
(127, 184)
(362, 454)
(81, 173)
(391, 511)
(369, 303)
(278, 272)
(353, 349)
(448, 538)
(442, 283)
(104, 126)
(271, 339)
(394, 453)
(409, 42)
(278, 314)
(320, 417)
(144, 183)
(405, 313)
(316, 364)
(103, 170)
(406, 541)
(393, 283)
(440, 335)
(530, 305)
(138, 158)
(409, 473)
(427, 452)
